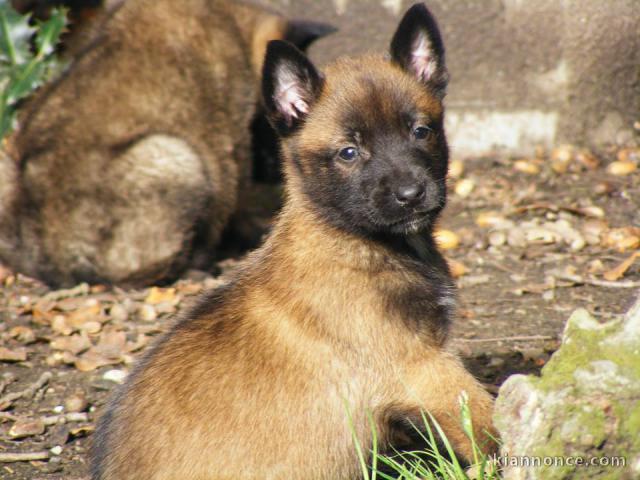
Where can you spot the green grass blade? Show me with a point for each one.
(374, 452)
(354, 435)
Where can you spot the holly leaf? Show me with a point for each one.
(49, 31)
(26, 79)
(27, 57)
(15, 35)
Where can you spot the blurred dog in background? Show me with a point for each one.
(128, 168)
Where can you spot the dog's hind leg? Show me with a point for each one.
(160, 192)
(131, 221)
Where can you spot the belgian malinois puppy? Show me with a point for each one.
(345, 308)
(128, 168)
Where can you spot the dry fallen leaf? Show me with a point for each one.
(189, 289)
(147, 313)
(464, 187)
(472, 281)
(604, 188)
(160, 295)
(59, 325)
(563, 153)
(117, 376)
(497, 238)
(15, 355)
(625, 238)
(92, 360)
(22, 334)
(629, 155)
(44, 305)
(74, 344)
(457, 268)
(447, 239)
(619, 271)
(456, 168)
(593, 229)
(164, 308)
(82, 431)
(561, 157)
(595, 266)
(76, 402)
(537, 288)
(98, 288)
(42, 316)
(118, 313)
(60, 358)
(540, 235)
(89, 313)
(4, 273)
(490, 219)
(112, 344)
(71, 304)
(526, 166)
(587, 159)
(142, 341)
(23, 428)
(570, 235)
(592, 211)
(621, 168)
(91, 327)
(516, 238)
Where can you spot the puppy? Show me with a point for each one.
(344, 309)
(128, 168)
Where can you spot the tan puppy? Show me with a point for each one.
(346, 306)
(128, 168)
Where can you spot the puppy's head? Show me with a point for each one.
(364, 142)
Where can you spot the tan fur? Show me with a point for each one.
(142, 145)
(258, 381)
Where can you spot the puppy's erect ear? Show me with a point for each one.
(290, 86)
(417, 47)
(303, 33)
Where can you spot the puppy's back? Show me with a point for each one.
(220, 383)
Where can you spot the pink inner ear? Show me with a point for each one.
(289, 96)
(422, 62)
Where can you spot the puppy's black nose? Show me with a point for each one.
(409, 194)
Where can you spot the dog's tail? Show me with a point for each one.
(9, 191)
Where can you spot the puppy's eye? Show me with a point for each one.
(421, 132)
(348, 154)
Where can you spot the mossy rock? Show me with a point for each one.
(585, 406)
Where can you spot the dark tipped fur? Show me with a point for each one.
(337, 312)
(303, 33)
(299, 66)
(419, 18)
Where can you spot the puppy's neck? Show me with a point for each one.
(307, 231)
(421, 243)
(418, 247)
(354, 286)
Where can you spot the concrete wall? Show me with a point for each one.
(524, 72)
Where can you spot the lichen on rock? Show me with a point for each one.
(584, 408)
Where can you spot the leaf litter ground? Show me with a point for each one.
(529, 240)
